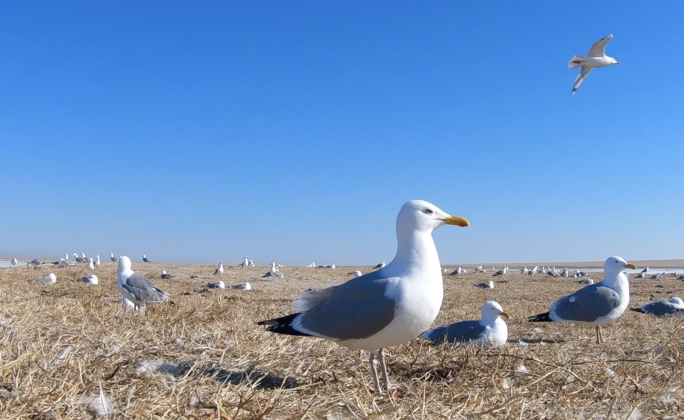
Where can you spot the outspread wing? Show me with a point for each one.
(599, 47)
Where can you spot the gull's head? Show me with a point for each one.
(614, 61)
(676, 301)
(492, 310)
(124, 264)
(423, 216)
(616, 265)
(163, 271)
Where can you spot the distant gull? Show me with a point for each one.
(112, 257)
(274, 272)
(490, 329)
(135, 287)
(501, 272)
(381, 265)
(14, 261)
(90, 265)
(312, 265)
(64, 263)
(671, 307)
(356, 273)
(251, 263)
(656, 276)
(219, 269)
(488, 285)
(585, 281)
(596, 58)
(645, 270)
(97, 261)
(242, 286)
(145, 259)
(166, 276)
(383, 308)
(245, 263)
(457, 271)
(47, 279)
(35, 262)
(596, 304)
(91, 279)
(78, 259)
(218, 285)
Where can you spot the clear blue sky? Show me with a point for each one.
(294, 131)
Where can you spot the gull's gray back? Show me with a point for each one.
(143, 291)
(586, 305)
(353, 310)
(661, 308)
(456, 333)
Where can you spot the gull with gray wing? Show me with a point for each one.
(383, 308)
(671, 307)
(489, 330)
(596, 58)
(135, 287)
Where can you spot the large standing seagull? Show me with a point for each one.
(135, 287)
(596, 58)
(596, 304)
(383, 308)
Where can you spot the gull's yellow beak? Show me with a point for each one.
(632, 266)
(505, 315)
(458, 221)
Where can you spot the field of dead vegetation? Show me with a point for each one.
(205, 358)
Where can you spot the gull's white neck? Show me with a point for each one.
(416, 251)
(618, 282)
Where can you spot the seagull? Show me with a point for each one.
(383, 308)
(218, 285)
(145, 259)
(97, 261)
(501, 272)
(244, 263)
(585, 281)
(35, 262)
(242, 286)
(655, 276)
(219, 269)
(64, 263)
(91, 279)
(489, 285)
(90, 265)
(274, 272)
(381, 265)
(112, 257)
(135, 287)
(458, 270)
(251, 263)
(356, 273)
(78, 259)
(479, 269)
(490, 329)
(596, 304)
(47, 279)
(596, 58)
(645, 270)
(166, 276)
(14, 261)
(671, 307)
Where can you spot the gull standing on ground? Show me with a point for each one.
(97, 261)
(383, 308)
(90, 265)
(490, 329)
(458, 270)
(219, 269)
(166, 276)
(274, 272)
(671, 307)
(135, 287)
(596, 304)
(245, 262)
(14, 261)
(145, 259)
(77, 258)
(596, 58)
(501, 272)
(112, 257)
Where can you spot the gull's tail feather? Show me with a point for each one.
(283, 325)
(436, 335)
(540, 318)
(576, 61)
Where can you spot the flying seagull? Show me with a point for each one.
(135, 287)
(383, 308)
(596, 304)
(596, 58)
(490, 329)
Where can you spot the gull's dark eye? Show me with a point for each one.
(427, 211)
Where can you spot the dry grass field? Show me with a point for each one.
(58, 342)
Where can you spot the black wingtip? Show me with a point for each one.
(637, 310)
(540, 318)
(283, 325)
